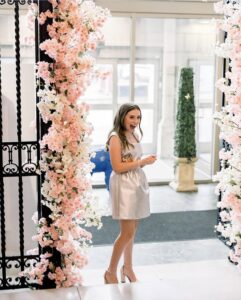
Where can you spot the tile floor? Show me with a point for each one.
(195, 270)
(146, 254)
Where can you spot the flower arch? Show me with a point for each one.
(229, 120)
(74, 32)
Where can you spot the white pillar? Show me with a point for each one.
(166, 125)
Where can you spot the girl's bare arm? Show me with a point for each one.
(115, 156)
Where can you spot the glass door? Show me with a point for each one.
(204, 97)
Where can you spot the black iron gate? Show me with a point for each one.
(19, 160)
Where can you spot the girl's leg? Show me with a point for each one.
(127, 268)
(129, 248)
(127, 232)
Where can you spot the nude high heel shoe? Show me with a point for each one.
(109, 278)
(124, 276)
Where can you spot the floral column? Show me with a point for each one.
(74, 32)
(229, 120)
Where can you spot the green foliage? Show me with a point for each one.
(185, 144)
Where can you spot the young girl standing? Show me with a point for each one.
(129, 189)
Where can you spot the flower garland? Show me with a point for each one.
(65, 159)
(229, 120)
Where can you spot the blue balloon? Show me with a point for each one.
(102, 164)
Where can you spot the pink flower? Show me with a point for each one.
(234, 140)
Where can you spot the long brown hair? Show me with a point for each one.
(118, 125)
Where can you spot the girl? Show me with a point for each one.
(128, 187)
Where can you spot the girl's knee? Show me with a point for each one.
(127, 235)
(128, 229)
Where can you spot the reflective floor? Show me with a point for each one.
(209, 280)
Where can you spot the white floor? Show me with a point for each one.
(205, 280)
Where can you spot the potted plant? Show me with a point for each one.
(185, 143)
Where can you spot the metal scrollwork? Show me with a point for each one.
(29, 166)
(16, 263)
(11, 262)
(11, 167)
(22, 2)
(13, 281)
(11, 2)
(31, 261)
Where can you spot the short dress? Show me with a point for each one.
(129, 191)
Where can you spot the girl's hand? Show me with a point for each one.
(127, 158)
(150, 159)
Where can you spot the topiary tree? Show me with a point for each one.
(185, 144)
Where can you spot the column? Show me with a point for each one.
(166, 126)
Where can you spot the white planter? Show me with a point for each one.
(184, 175)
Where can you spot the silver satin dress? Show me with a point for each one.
(129, 191)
